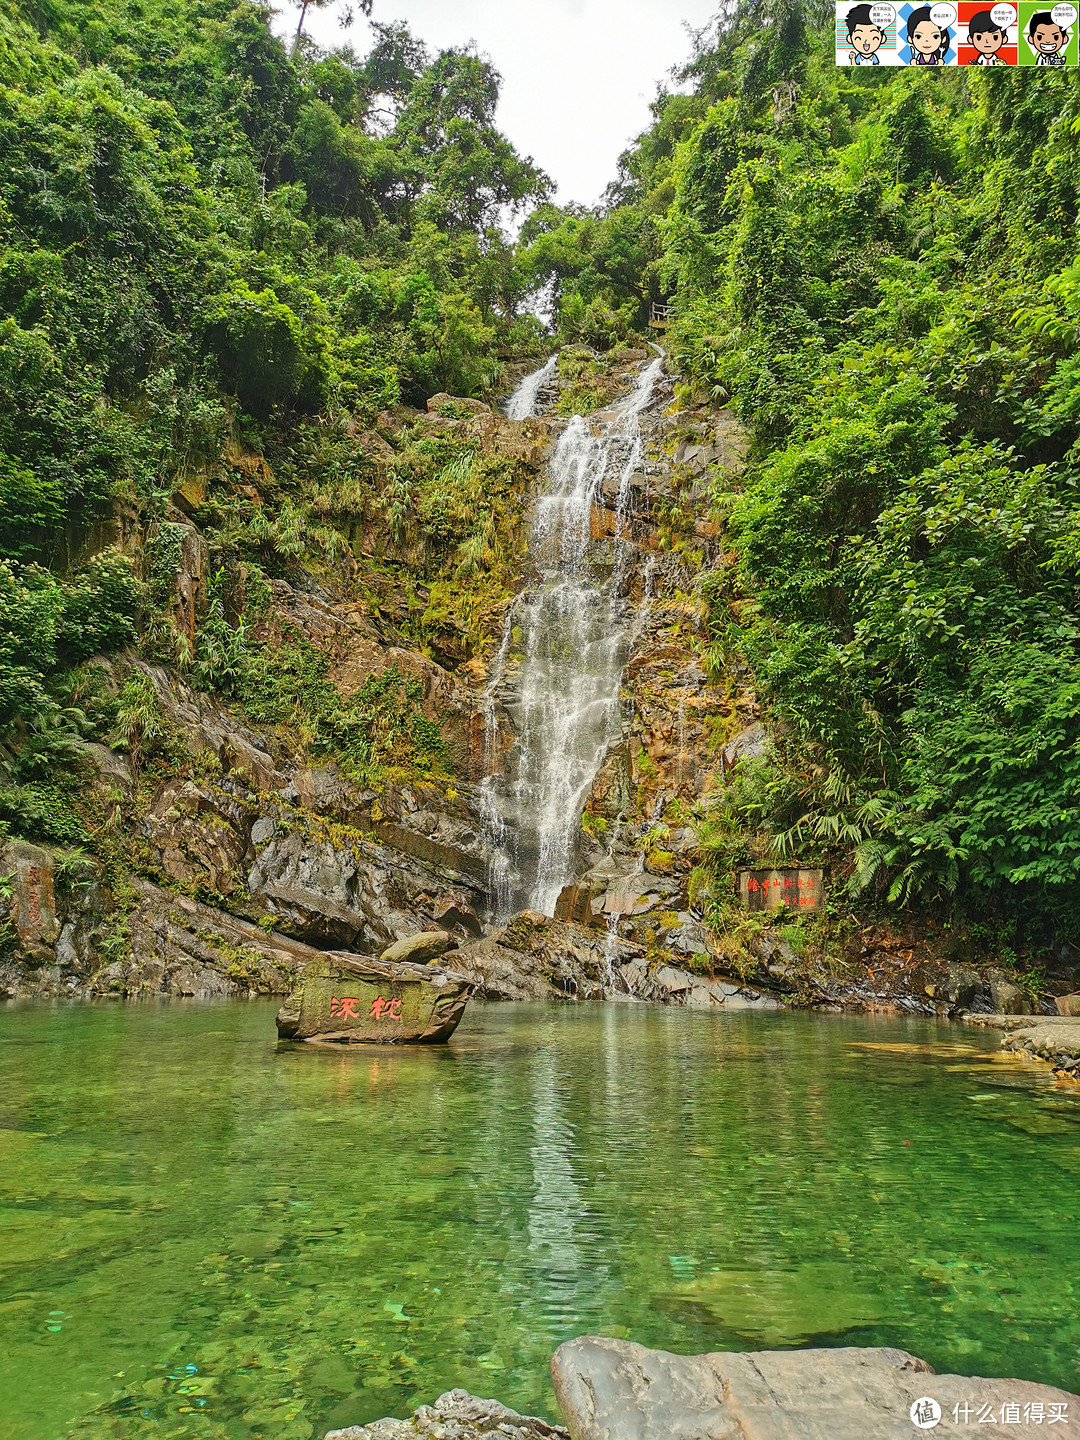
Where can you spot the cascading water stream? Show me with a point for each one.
(558, 669)
(522, 403)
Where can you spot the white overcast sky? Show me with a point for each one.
(578, 75)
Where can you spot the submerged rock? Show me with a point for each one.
(457, 1415)
(615, 1390)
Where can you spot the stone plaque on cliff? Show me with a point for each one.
(782, 889)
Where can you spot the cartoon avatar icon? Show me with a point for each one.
(864, 37)
(929, 41)
(987, 37)
(1047, 38)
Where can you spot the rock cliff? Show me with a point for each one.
(323, 788)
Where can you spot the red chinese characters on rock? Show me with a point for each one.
(344, 1008)
(777, 890)
(790, 888)
(385, 1009)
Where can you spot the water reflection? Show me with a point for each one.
(330, 1237)
(556, 1259)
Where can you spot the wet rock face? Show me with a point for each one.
(168, 944)
(178, 946)
(249, 825)
(668, 985)
(200, 834)
(61, 934)
(536, 958)
(324, 895)
(356, 896)
(615, 1390)
(640, 843)
(457, 1415)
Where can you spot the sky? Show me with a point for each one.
(578, 75)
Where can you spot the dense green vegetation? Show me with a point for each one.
(211, 250)
(880, 274)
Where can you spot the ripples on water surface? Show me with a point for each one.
(202, 1235)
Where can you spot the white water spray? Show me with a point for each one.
(522, 403)
(560, 664)
(611, 950)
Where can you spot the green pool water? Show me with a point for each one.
(202, 1234)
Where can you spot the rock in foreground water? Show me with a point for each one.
(614, 1390)
(1053, 1038)
(457, 1415)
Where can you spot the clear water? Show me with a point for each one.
(202, 1235)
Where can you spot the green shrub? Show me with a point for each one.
(268, 353)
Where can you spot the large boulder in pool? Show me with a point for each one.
(615, 1390)
(355, 1000)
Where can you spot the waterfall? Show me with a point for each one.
(611, 950)
(522, 403)
(559, 667)
(495, 830)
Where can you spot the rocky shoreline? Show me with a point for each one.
(174, 945)
(616, 1390)
(1052, 1039)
